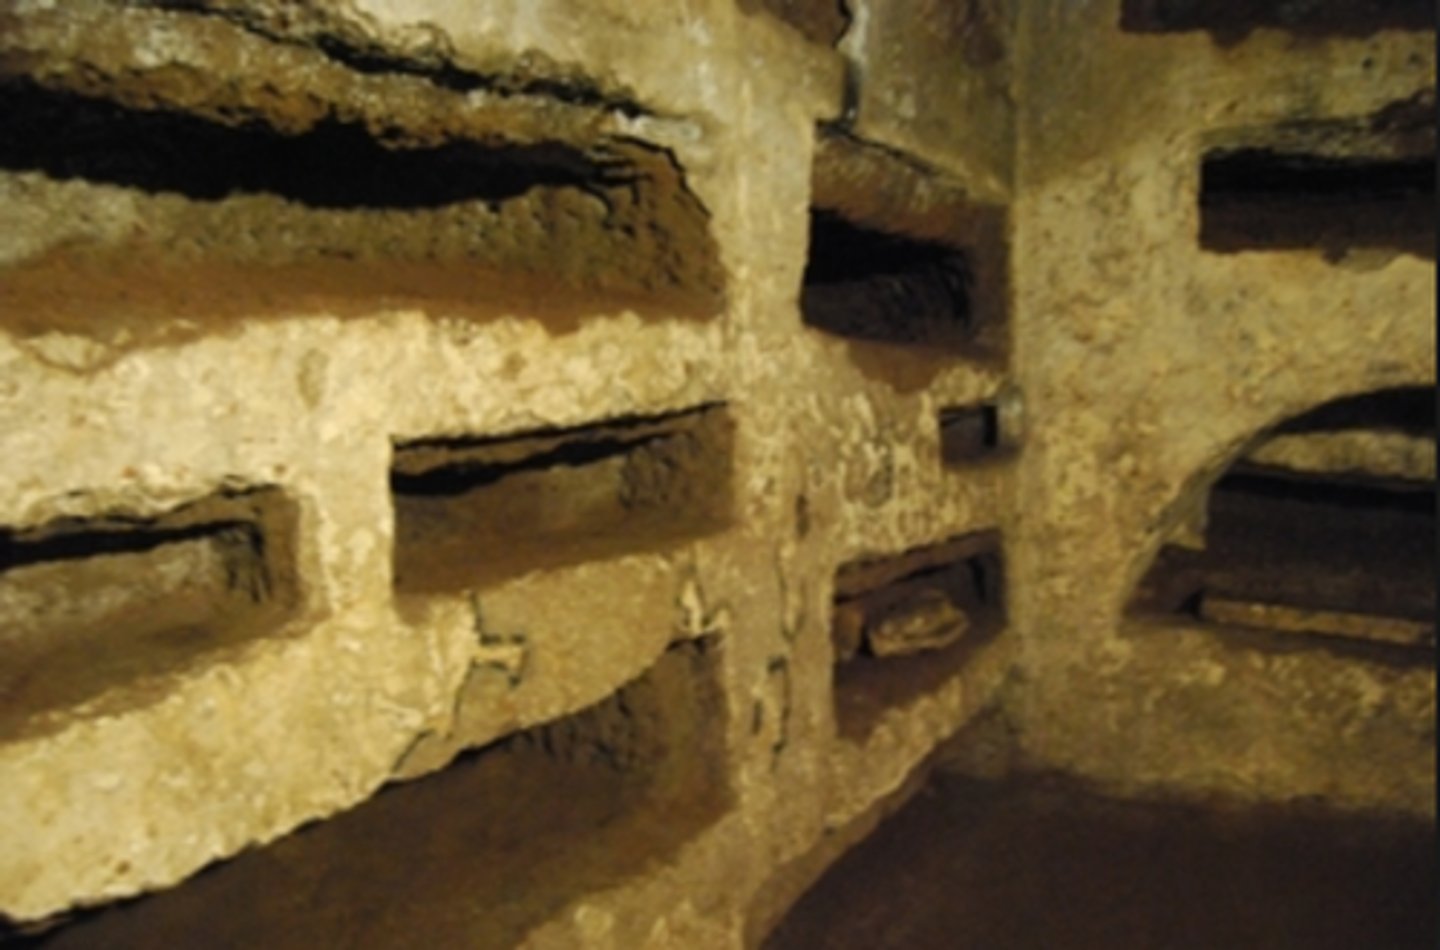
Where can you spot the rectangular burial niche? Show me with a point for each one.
(475, 855)
(904, 625)
(1331, 185)
(1333, 560)
(1232, 20)
(970, 434)
(245, 219)
(473, 512)
(877, 286)
(96, 611)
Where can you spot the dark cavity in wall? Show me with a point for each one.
(103, 609)
(334, 165)
(971, 434)
(471, 512)
(1341, 559)
(901, 254)
(475, 855)
(904, 625)
(1308, 557)
(1254, 199)
(240, 221)
(876, 286)
(1232, 20)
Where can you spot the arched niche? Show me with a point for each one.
(1322, 526)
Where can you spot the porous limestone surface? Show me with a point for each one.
(158, 349)
(1150, 365)
(155, 390)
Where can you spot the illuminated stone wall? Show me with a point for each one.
(576, 461)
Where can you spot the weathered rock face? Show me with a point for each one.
(1155, 360)
(576, 460)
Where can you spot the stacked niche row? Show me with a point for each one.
(903, 258)
(335, 184)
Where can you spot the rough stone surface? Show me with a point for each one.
(1149, 366)
(580, 239)
(935, 80)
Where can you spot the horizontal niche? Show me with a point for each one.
(337, 165)
(979, 431)
(1333, 185)
(1234, 19)
(478, 854)
(1325, 530)
(247, 220)
(1254, 199)
(1305, 554)
(882, 287)
(902, 255)
(903, 625)
(473, 512)
(100, 607)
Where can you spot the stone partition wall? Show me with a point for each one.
(556, 473)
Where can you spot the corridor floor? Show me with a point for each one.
(1038, 863)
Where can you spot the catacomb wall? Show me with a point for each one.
(577, 461)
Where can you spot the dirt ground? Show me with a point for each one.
(1036, 863)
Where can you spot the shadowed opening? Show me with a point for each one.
(471, 512)
(1255, 198)
(873, 285)
(95, 609)
(333, 165)
(902, 626)
(1326, 528)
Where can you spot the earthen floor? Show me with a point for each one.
(1036, 863)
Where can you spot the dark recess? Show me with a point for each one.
(969, 433)
(1308, 543)
(152, 603)
(471, 511)
(334, 165)
(1232, 20)
(90, 541)
(1348, 557)
(1409, 409)
(871, 285)
(960, 580)
(234, 517)
(1254, 198)
(466, 476)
